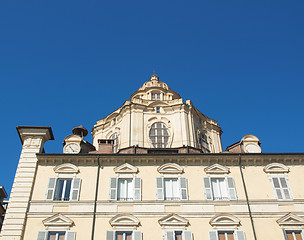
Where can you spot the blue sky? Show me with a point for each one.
(70, 63)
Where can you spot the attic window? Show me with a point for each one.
(155, 96)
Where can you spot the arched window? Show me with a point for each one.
(159, 135)
(204, 143)
(115, 143)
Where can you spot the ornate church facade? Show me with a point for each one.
(155, 170)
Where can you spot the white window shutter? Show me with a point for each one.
(240, 235)
(137, 189)
(285, 188)
(183, 188)
(187, 235)
(74, 195)
(51, 189)
(42, 235)
(160, 188)
(213, 235)
(136, 235)
(207, 187)
(110, 235)
(277, 188)
(70, 235)
(113, 188)
(169, 235)
(231, 188)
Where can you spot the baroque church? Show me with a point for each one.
(155, 170)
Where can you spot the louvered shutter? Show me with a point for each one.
(160, 188)
(110, 235)
(277, 188)
(285, 188)
(231, 188)
(169, 235)
(183, 189)
(213, 235)
(285, 234)
(113, 188)
(70, 235)
(50, 189)
(240, 235)
(75, 189)
(208, 190)
(136, 235)
(42, 235)
(187, 235)
(137, 189)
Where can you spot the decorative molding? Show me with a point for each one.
(124, 220)
(126, 168)
(170, 168)
(276, 168)
(217, 169)
(66, 168)
(173, 220)
(58, 220)
(224, 220)
(290, 219)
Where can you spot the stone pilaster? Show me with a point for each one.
(33, 139)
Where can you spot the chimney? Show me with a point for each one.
(105, 145)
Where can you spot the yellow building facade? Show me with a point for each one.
(155, 170)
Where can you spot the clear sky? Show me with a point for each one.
(70, 63)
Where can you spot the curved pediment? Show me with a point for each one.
(217, 169)
(170, 168)
(173, 220)
(290, 219)
(66, 168)
(224, 220)
(276, 168)
(58, 220)
(124, 220)
(126, 168)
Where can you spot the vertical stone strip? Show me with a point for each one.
(33, 139)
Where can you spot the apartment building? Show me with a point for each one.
(155, 170)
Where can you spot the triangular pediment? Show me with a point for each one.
(57, 220)
(66, 168)
(217, 169)
(173, 220)
(124, 220)
(291, 220)
(126, 168)
(224, 220)
(276, 168)
(170, 168)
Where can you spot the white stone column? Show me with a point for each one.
(33, 139)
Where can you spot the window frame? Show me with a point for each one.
(45, 235)
(231, 190)
(159, 140)
(114, 189)
(182, 188)
(281, 188)
(214, 235)
(156, 96)
(293, 230)
(115, 139)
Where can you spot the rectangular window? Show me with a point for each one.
(221, 189)
(178, 235)
(60, 189)
(56, 236)
(293, 235)
(281, 188)
(157, 109)
(227, 235)
(155, 96)
(52, 235)
(171, 188)
(63, 190)
(125, 189)
(123, 236)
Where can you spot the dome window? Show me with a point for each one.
(159, 135)
(155, 96)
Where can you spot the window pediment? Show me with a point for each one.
(58, 220)
(126, 168)
(124, 220)
(173, 220)
(66, 168)
(217, 169)
(290, 219)
(276, 168)
(224, 220)
(170, 168)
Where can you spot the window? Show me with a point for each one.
(155, 96)
(219, 188)
(125, 189)
(203, 140)
(124, 235)
(53, 235)
(61, 189)
(171, 189)
(227, 235)
(178, 235)
(281, 189)
(157, 109)
(115, 142)
(159, 135)
(293, 235)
